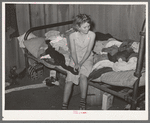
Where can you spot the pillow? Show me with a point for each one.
(21, 39)
(124, 78)
(33, 45)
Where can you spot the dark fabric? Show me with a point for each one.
(125, 51)
(126, 45)
(124, 55)
(102, 37)
(59, 58)
(97, 73)
(132, 55)
(111, 50)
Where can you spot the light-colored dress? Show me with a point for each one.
(81, 48)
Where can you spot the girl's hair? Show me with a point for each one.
(80, 19)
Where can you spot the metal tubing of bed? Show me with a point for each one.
(46, 26)
(141, 52)
(141, 56)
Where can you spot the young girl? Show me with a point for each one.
(81, 43)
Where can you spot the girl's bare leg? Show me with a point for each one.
(83, 89)
(67, 93)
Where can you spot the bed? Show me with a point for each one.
(129, 82)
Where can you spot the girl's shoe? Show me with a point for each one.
(82, 108)
(82, 104)
(64, 106)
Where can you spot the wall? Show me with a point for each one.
(121, 21)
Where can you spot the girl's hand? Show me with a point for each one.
(77, 67)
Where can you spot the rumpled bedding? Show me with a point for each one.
(124, 66)
(112, 47)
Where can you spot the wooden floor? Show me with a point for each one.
(46, 98)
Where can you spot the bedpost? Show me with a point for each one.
(139, 66)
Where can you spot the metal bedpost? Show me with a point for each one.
(141, 56)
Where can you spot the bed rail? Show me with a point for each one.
(46, 26)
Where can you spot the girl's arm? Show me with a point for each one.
(89, 49)
(73, 49)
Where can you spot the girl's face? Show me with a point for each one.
(84, 28)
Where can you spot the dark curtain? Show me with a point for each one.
(13, 53)
(11, 21)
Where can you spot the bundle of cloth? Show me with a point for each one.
(120, 56)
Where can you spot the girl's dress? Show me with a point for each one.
(81, 48)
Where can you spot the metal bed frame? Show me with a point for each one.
(129, 95)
